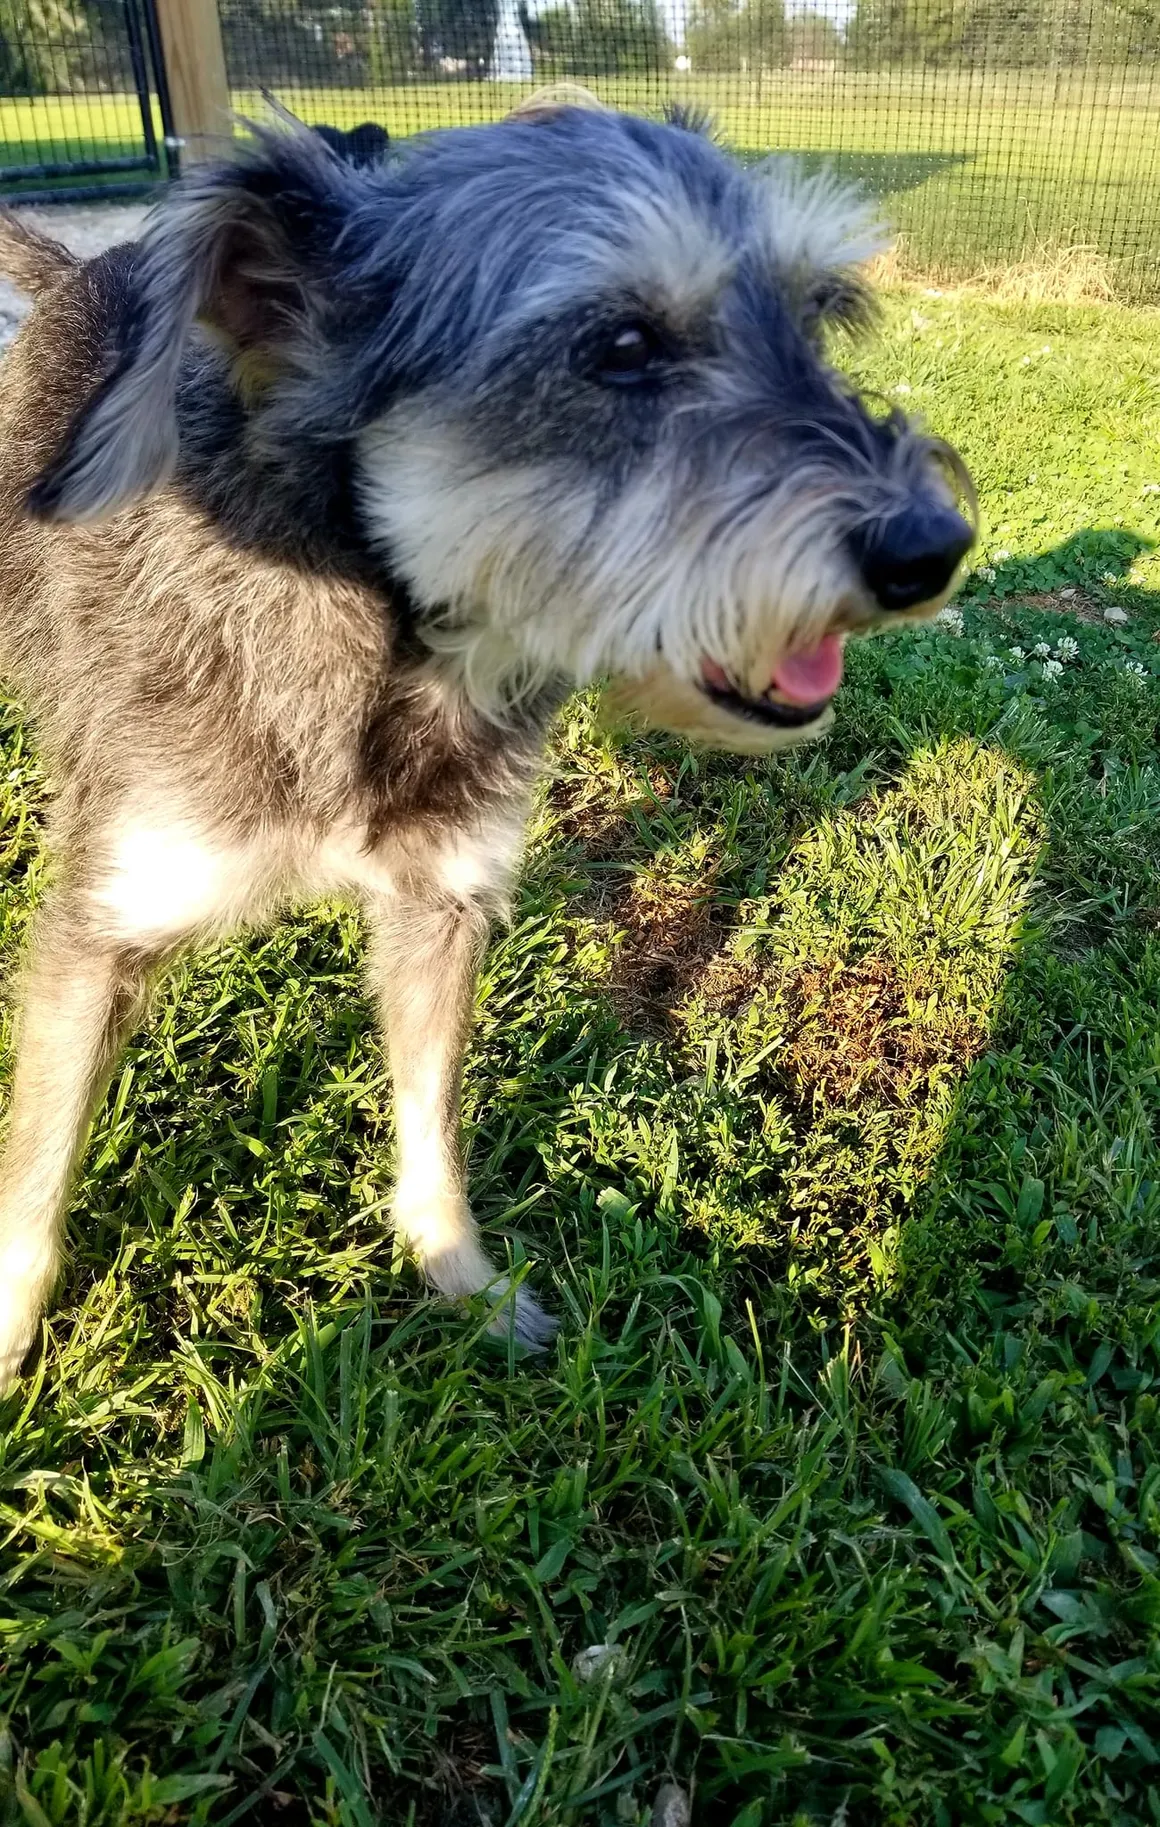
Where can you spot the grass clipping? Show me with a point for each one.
(1056, 273)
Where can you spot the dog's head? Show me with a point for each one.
(576, 364)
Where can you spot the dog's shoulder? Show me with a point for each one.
(65, 348)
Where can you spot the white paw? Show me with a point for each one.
(19, 1325)
(518, 1315)
(14, 1348)
(444, 1237)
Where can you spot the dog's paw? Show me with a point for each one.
(520, 1316)
(19, 1325)
(14, 1348)
(443, 1235)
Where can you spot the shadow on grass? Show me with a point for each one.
(881, 173)
(1094, 561)
(104, 167)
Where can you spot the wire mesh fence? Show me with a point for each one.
(994, 131)
(82, 98)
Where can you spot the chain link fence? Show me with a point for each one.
(996, 132)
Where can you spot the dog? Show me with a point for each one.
(317, 502)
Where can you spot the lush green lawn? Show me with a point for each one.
(824, 1096)
(974, 169)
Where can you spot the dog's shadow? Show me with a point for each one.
(883, 174)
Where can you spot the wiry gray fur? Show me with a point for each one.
(315, 503)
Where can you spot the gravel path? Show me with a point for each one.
(87, 229)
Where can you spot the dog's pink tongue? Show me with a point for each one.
(807, 678)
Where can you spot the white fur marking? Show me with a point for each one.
(163, 882)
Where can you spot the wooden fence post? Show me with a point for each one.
(195, 66)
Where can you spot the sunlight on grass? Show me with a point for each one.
(856, 996)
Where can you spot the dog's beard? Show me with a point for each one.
(528, 580)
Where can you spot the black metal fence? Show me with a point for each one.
(995, 131)
(84, 109)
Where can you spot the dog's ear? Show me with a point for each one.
(239, 248)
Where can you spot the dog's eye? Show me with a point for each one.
(624, 356)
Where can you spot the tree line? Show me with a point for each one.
(54, 45)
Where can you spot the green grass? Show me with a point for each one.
(975, 169)
(824, 1096)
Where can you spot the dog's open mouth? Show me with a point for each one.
(798, 693)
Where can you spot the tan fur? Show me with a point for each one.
(31, 260)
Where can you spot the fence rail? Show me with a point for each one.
(994, 131)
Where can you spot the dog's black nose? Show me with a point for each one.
(911, 557)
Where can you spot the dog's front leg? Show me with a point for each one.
(80, 999)
(425, 954)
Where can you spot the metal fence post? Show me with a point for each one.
(195, 65)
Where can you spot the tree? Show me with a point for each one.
(392, 41)
(462, 30)
(884, 32)
(738, 35)
(598, 38)
(37, 40)
(812, 38)
(1129, 30)
(997, 34)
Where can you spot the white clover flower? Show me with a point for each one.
(1041, 650)
(1067, 649)
(1027, 361)
(1107, 577)
(1052, 669)
(1134, 669)
(1151, 488)
(994, 660)
(1046, 349)
(950, 620)
(986, 571)
(1016, 654)
(597, 1659)
(901, 387)
(1001, 557)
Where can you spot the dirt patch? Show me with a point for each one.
(856, 1033)
(671, 932)
(727, 984)
(590, 821)
(588, 814)
(668, 928)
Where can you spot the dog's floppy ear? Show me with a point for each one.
(237, 247)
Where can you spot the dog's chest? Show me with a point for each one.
(161, 882)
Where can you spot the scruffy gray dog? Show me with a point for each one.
(316, 503)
